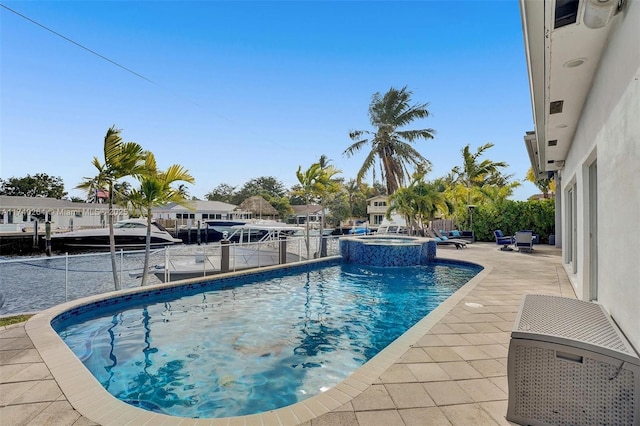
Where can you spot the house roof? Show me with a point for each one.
(302, 210)
(43, 203)
(564, 40)
(258, 206)
(200, 206)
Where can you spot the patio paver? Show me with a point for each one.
(455, 374)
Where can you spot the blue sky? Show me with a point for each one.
(247, 89)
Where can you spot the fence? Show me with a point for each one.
(30, 284)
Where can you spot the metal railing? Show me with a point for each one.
(29, 284)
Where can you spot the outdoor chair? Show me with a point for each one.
(442, 240)
(503, 240)
(524, 241)
(463, 243)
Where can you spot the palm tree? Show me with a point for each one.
(309, 185)
(419, 202)
(478, 181)
(315, 183)
(155, 190)
(546, 186)
(390, 145)
(329, 186)
(121, 159)
(475, 173)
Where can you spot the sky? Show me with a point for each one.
(237, 90)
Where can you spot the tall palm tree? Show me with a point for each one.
(390, 144)
(156, 190)
(121, 159)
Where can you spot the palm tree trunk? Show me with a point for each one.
(112, 241)
(306, 224)
(147, 250)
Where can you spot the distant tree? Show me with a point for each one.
(155, 190)
(121, 193)
(356, 198)
(223, 192)
(184, 191)
(279, 203)
(38, 185)
(261, 186)
(121, 159)
(295, 199)
(391, 146)
(338, 209)
(75, 199)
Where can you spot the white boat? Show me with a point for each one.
(263, 230)
(397, 225)
(129, 234)
(220, 228)
(263, 250)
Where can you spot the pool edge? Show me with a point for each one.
(91, 400)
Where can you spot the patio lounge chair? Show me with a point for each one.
(442, 240)
(503, 240)
(524, 241)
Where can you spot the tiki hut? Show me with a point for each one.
(260, 208)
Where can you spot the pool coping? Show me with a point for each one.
(90, 399)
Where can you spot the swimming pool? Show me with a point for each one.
(255, 343)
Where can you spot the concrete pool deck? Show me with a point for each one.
(449, 369)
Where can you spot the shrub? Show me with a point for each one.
(511, 216)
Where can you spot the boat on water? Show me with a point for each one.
(220, 228)
(263, 250)
(397, 225)
(129, 234)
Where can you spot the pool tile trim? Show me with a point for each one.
(91, 400)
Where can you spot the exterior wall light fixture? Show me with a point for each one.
(598, 13)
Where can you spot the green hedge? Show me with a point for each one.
(512, 216)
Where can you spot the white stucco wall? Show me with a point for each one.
(609, 132)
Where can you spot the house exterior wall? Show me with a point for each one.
(21, 212)
(608, 133)
(376, 209)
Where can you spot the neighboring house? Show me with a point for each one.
(376, 209)
(200, 211)
(18, 213)
(300, 214)
(584, 72)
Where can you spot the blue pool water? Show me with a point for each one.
(248, 345)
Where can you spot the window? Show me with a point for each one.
(377, 219)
